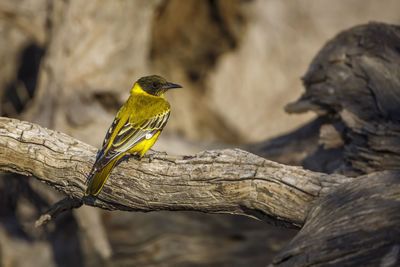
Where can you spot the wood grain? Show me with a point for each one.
(354, 80)
(224, 181)
(355, 225)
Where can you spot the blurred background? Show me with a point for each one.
(69, 66)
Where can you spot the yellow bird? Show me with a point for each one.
(135, 129)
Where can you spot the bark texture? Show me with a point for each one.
(354, 80)
(353, 84)
(225, 181)
(356, 225)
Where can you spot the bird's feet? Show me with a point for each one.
(150, 156)
(127, 156)
(153, 153)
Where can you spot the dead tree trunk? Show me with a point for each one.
(354, 84)
(354, 81)
(358, 224)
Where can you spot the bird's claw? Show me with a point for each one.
(153, 154)
(126, 158)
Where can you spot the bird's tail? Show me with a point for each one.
(97, 178)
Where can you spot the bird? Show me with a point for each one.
(134, 130)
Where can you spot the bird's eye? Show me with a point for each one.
(155, 85)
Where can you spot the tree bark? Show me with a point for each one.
(354, 80)
(224, 181)
(355, 225)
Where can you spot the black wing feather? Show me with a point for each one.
(128, 136)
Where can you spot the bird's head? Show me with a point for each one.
(156, 85)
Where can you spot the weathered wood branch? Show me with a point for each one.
(355, 225)
(354, 80)
(354, 84)
(225, 181)
(58, 208)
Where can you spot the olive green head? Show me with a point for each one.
(156, 85)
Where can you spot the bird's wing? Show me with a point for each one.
(110, 131)
(129, 134)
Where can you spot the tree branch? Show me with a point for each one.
(55, 210)
(224, 181)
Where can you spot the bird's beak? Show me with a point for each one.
(169, 85)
